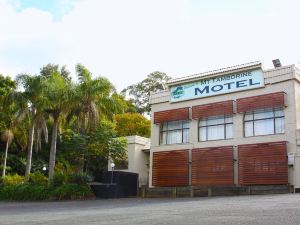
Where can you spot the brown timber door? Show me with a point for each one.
(170, 168)
(264, 163)
(212, 166)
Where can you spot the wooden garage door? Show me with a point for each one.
(212, 166)
(170, 168)
(264, 163)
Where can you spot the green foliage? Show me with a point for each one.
(64, 166)
(24, 192)
(118, 148)
(79, 111)
(16, 163)
(140, 93)
(104, 143)
(38, 178)
(59, 179)
(30, 192)
(7, 85)
(49, 69)
(72, 191)
(96, 99)
(80, 178)
(132, 124)
(13, 180)
(74, 145)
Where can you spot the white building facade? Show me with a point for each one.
(236, 126)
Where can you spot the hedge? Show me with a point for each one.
(32, 192)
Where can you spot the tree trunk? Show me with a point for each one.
(29, 153)
(83, 123)
(53, 150)
(5, 158)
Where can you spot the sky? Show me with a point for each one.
(127, 40)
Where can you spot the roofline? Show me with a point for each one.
(189, 78)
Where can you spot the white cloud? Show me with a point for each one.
(126, 40)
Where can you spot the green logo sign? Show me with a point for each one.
(178, 92)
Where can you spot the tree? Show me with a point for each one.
(104, 143)
(7, 136)
(140, 93)
(58, 96)
(128, 124)
(96, 98)
(7, 85)
(49, 69)
(32, 94)
(11, 116)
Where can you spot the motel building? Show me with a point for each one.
(236, 126)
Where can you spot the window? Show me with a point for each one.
(216, 128)
(264, 122)
(174, 132)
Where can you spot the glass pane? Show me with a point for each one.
(279, 112)
(229, 131)
(164, 126)
(163, 138)
(203, 122)
(261, 114)
(228, 119)
(174, 125)
(215, 132)
(248, 129)
(248, 116)
(263, 127)
(185, 136)
(174, 137)
(215, 120)
(279, 125)
(202, 134)
(185, 124)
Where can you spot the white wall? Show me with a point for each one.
(138, 157)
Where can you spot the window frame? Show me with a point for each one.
(224, 124)
(274, 117)
(182, 129)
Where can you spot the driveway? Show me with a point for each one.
(281, 209)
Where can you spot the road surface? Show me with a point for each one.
(281, 209)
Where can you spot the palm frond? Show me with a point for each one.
(7, 136)
(83, 74)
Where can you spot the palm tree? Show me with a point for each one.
(12, 115)
(58, 96)
(37, 123)
(7, 137)
(95, 99)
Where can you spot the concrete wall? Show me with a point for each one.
(138, 157)
(284, 79)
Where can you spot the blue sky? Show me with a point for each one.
(132, 38)
(57, 8)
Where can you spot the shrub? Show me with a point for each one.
(13, 180)
(80, 178)
(38, 178)
(72, 191)
(59, 179)
(31, 192)
(24, 192)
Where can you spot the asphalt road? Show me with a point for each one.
(261, 210)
